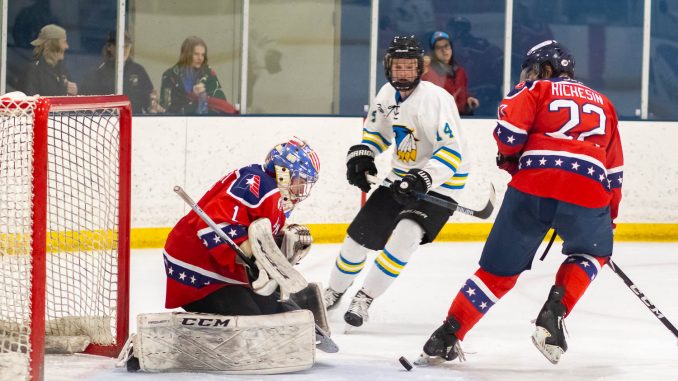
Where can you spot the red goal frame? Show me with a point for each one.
(39, 223)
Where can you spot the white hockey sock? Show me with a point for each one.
(390, 262)
(350, 261)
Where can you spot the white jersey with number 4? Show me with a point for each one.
(425, 130)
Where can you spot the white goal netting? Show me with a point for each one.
(72, 205)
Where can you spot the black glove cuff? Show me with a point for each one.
(359, 150)
(501, 159)
(423, 175)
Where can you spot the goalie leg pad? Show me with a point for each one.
(264, 344)
(311, 298)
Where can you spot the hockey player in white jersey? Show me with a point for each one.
(422, 121)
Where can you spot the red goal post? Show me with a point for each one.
(65, 165)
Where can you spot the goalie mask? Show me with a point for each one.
(295, 166)
(551, 52)
(405, 48)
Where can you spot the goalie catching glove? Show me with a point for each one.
(296, 242)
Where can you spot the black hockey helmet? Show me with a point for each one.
(551, 52)
(404, 47)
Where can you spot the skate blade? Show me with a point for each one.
(551, 352)
(426, 360)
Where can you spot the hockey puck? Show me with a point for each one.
(405, 363)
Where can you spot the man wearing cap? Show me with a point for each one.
(47, 75)
(137, 84)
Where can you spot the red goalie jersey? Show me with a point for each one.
(566, 137)
(197, 261)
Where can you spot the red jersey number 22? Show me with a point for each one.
(575, 119)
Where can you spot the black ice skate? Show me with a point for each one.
(443, 343)
(549, 335)
(357, 310)
(331, 298)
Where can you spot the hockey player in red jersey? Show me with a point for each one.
(203, 272)
(237, 318)
(558, 139)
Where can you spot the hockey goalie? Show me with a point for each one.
(240, 302)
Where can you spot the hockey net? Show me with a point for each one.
(64, 229)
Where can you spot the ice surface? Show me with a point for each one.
(612, 335)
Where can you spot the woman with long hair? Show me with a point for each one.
(191, 86)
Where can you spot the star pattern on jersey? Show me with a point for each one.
(187, 276)
(210, 239)
(509, 135)
(475, 294)
(575, 165)
(584, 263)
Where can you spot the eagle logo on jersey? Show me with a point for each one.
(406, 144)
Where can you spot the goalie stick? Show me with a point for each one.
(280, 270)
(483, 214)
(210, 222)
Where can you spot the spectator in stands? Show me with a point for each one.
(47, 74)
(191, 86)
(29, 20)
(483, 62)
(445, 72)
(137, 84)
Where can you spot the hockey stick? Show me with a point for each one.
(658, 314)
(484, 213)
(210, 222)
(631, 286)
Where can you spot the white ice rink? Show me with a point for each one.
(612, 335)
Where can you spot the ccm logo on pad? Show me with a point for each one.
(205, 322)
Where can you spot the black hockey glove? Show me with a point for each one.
(360, 159)
(415, 181)
(508, 163)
